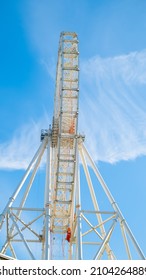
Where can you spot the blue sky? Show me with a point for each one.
(112, 89)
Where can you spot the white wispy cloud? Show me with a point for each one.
(113, 92)
(19, 150)
(112, 113)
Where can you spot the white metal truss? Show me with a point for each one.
(64, 132)
(71, 197)
(107, 244)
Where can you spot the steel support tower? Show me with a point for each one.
(71, 224)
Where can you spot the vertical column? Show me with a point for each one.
(47, 201)
(78, 211)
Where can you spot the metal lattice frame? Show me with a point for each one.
(62, 206)
(64, 132)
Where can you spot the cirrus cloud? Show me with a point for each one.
(113, 92)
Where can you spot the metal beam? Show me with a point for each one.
(113, 203)
(23, 239)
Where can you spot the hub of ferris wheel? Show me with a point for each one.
(70, 224)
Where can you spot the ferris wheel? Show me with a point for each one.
(70, 224)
